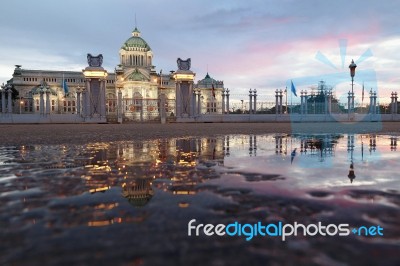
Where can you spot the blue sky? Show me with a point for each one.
(247, 44)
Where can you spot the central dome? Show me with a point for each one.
(136, 42)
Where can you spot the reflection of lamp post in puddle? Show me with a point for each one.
(350, 147)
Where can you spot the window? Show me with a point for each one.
(28, 105)
(211, 107)
(53, 105)
(69, 106)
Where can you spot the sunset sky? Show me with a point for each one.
(247, 44)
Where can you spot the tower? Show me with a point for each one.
(136, 80)
(185, 98)
(94, 93)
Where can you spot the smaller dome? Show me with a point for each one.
(208, 81)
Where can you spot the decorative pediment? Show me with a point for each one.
(136, 75)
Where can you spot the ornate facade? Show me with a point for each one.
(133, 91)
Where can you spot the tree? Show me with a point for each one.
(14, 94)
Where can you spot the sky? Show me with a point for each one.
(256, 44)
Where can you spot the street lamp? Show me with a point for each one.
(352, 67)
(242, 106)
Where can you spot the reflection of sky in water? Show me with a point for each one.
(327, 165)
(118, 193)
(303, 161)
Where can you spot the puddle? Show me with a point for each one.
(130, 202)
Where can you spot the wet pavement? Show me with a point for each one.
(130, 202)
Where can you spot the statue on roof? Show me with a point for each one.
(184, 64)
(95, 61)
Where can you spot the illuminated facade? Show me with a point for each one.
(132, 92)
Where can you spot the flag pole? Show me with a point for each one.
(286, 92)
(291, 99)
(362, 98)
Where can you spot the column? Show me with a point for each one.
(326, 102)
(305, 102)
(78, 101)
(375, 103)
(194, 101)
(41, 101)
(280, 101)
(227, 101)
(9, 105)
(120, 107)
(250, 101)
(141, 109)
(301, 102)
(276, 102)
(102, 97)
(199, 102)
(395, 103)
(370, 101)
(255, 101)
(47, 101)
(3, 100)
(87, 99)
(178, 105)
(163, 114)
(223, 101)
(349, 103)
(84, 95)
(330, 102)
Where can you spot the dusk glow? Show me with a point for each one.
(247, 44)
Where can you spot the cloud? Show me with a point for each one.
(248, 44)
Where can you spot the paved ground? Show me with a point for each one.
(83, 133)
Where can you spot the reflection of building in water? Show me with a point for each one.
(393, 143)
(253, 145)
(321, 145)
(212, 149)
(372, 143)
(280, 147)
(176, 160)
(138, 191)
(99, 167)
(226, 146)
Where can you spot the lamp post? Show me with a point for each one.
(20, 105)
(3, 98)
(352, 67)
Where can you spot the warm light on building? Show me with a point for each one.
(90, 73)
(184, 77)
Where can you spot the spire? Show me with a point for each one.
(136, 32)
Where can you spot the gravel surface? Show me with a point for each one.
(84, 133)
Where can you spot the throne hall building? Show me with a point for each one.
(135, 79)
